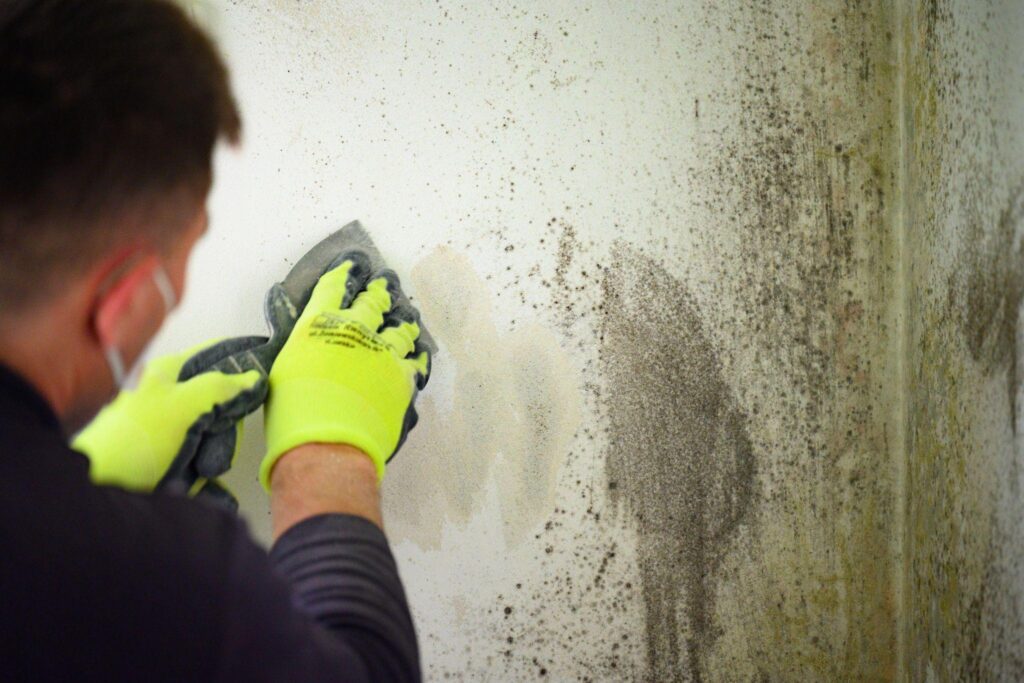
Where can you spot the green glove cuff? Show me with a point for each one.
(307, 410)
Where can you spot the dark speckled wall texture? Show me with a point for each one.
(964, 275)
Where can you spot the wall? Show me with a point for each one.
(965, 277)
(726, 298)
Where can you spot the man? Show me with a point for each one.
(109, 112)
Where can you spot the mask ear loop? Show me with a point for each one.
(115, 361)
(163, 284)
(116, 365)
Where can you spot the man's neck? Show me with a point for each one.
(44, 352)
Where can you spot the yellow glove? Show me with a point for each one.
(345, 375)
(132, 442)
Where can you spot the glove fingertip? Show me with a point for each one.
(214, 388)
(250, 378)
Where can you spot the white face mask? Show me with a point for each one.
(115, 361)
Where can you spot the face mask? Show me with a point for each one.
(115, 361)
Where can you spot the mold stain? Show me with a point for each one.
(990, 302)
(680, 459)
(515, 406)
(802, 193)
(963, 552)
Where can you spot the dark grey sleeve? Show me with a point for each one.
(330, 608)
(344, 577)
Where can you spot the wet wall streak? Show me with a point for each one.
(679, 460)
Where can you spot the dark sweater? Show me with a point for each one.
(100, 584)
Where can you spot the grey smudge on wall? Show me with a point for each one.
(515, 404)
(990, 303)
(680, 458)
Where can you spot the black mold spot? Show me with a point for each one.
(680, 458)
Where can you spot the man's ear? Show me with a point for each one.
(129, 312)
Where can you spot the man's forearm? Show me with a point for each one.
(316, 479)
(330, 547)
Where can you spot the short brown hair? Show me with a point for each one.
(107, 109)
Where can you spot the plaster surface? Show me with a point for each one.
(726, 296)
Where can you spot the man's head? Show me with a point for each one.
(109, 113)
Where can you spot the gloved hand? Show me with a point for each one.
(132, 442)
(346, 374)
